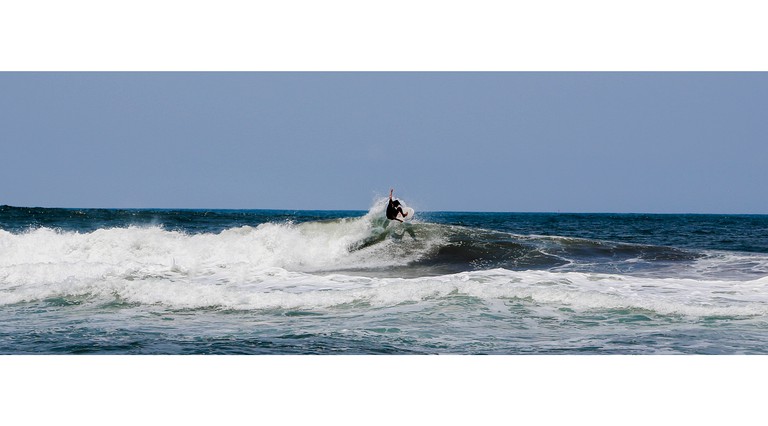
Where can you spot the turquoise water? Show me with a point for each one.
(76, 281)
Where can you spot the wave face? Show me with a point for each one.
(327, 282)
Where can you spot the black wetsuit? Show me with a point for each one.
(392, 208)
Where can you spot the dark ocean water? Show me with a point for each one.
(101, 281)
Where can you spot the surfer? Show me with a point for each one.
(394, 207)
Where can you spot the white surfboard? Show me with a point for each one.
(407, 210)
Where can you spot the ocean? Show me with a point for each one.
(277, 282)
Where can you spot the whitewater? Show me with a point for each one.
(309, 282)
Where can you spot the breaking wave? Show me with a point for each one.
(371, 261)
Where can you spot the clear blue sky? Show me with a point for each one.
(571, 142)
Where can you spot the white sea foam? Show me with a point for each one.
(152, 266)
(731, 264)
(47, 254)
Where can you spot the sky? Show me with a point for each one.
(659, 142)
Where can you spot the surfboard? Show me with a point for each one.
(408, 210)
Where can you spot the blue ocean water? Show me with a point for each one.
(106, 281)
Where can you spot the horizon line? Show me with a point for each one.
(365, 210)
